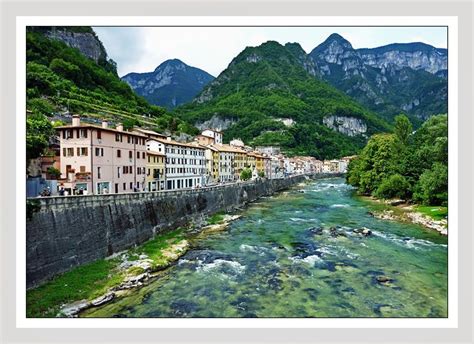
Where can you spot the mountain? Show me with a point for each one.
(409, 77)
(272, 94)
(68, 71)
(171, 84)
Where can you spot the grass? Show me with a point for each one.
(435, 212)
(85, 282)
(216, 218)
(94, 279)
(153, 248)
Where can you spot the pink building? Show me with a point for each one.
(97, 160)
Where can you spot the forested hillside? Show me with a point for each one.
(68, 71)
(265, 85)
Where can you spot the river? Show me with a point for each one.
(276, 262)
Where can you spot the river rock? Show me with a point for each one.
(316, 230)
(396, 202)
(364, 231)
(72, 309)
(384, 280)
(335, 232)
(103, 299)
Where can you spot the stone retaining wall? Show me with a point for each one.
(64, 232)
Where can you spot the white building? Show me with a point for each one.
(237, 143)
(269, 150)
(214, 134)
(185, 163)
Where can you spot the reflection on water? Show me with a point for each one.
(297, 255)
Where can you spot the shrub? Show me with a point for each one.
(246, 174)
(432, 188)
(394, 186)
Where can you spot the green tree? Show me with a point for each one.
(403, 128)
(129, 123)
(393, 186)
(246, 174)
(432, 188)
(54, 172)
(261, 174)
(38, 132)
(376, 162)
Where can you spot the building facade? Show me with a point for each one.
(215, 134)
(97, 160)
(155, 176)
(185, 163)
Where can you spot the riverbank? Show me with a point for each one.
(301, 253)
(65, 232)
(431, 217)
(116, 276)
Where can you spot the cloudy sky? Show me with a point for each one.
(142, 49)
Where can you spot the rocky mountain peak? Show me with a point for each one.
(337, 50)
(82, 38)
(172, 83)
(415, 55)
(171, 64)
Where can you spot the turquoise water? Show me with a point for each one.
(281, 259)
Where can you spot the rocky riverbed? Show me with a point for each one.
(316, 253)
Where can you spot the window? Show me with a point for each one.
(82, 133)
(99, 134)
(118, 171)
(83, 151)
(99, 151)
(131, 185)
(67, 134)
(119, 153)
(70, 152)
(130, 154)
(139, 170)
(125, 186)
(138, 155)
(117, 137)
(143, 155)
(98, 172)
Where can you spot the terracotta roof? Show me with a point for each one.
(227, 148)
(148, 132)
(176, 143)
(91, 126)
(155, 153)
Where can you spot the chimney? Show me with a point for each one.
(168, 138)
(76, 121)
(119, 127)
(105, 125)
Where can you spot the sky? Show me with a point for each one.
(142, 49)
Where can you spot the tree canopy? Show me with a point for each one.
(404, 164)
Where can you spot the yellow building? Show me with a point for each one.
(259, 163)
(155, 177)
(240, 162)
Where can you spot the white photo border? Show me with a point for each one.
(449, 21)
